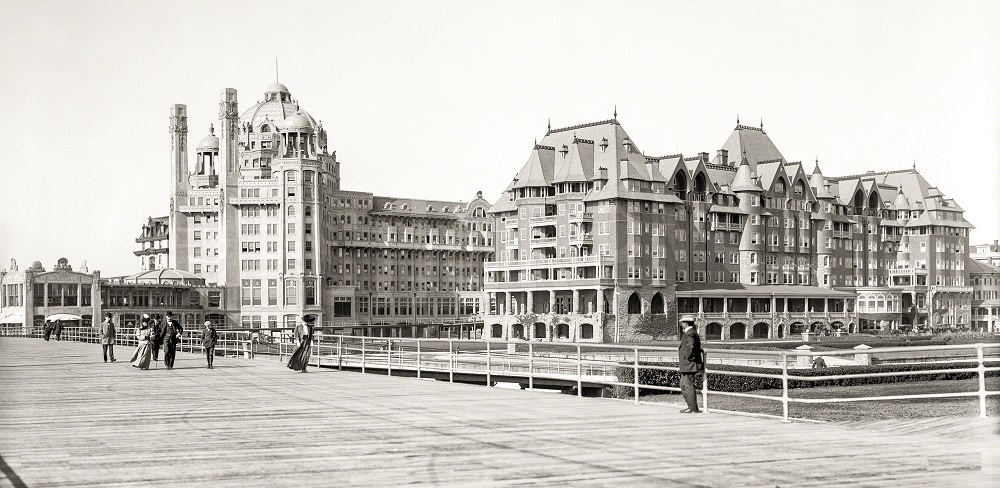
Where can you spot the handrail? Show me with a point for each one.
(572, 364)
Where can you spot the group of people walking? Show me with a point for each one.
(152, 335)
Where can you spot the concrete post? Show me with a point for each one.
(862, 357)
(531, 301)
(803, 360)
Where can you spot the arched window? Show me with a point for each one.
(586, 331)
(308, 210)
(680, 182)
(265, 128)
(634, 304)
(656, 304)
(291, 210)
(799, 188)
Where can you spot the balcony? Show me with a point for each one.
(581, 217)
(581, 239)
(543, 220)
(511, 224)
(543, 242)
(907, 271)
(550, 262)
(204, 181)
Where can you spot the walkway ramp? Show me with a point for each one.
(69, 419)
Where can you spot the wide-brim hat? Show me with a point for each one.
(687, 318)
(208, 322)
(310, 318)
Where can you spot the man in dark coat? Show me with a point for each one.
(171, 335)
(108, 337)
(690, 360)
(156, 335)
(209, 337)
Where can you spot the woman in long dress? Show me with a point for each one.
(304, 333)
(143, 352)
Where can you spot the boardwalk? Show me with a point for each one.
(68, 419)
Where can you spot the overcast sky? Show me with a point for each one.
(443, 99)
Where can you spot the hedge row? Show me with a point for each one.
(741, 384)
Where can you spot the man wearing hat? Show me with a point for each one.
(155, 335)
(304, 333)
(171, 336)
(209, 337)
(690, 360)
(108, 337)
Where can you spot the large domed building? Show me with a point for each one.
(261, 212)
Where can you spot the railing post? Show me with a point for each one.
(784, 387)
(363, 355)
(388, 357)
(579, 372)
(451, 361)
(531, 366)
(982, 381)
(635, 374)
(340, 353)
(704, 381)
(489, 364)
(418, 359)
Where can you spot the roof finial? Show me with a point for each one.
(737, 119)
(276, 69)
(762, 124)
(914, 164)
(550, 124)
(211, 129)
(615, 115)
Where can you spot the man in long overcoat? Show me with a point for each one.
(108, 337)
(171, 335)
(690, 361)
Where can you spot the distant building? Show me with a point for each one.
(986, 253)
(153, 250)
(261, 214)
(34, 295)
(985, 279)
(599, 242)
(80, 298)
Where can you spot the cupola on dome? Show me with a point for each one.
(210, 142)
(277, 88)
(297, 121)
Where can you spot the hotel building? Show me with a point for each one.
(261, 213)
(598, 242)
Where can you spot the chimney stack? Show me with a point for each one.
(703, 156)
(723, 156)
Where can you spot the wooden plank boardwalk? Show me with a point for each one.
(69, 419)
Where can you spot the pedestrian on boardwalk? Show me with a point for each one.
(46, 330)
(57, 329)
(156, 334)
(108, 337)
(819, 363)
(145, 339)
(304, 334)
(171, 335)
(209, 337)
(690, 361)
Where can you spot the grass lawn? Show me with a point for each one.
(864, 410)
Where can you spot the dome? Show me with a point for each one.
(209, 142)
(298, 121)
(165, 276)
(277, 88)
(276, 107)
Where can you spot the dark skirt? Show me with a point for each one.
(300, 358)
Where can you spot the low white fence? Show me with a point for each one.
(583, 364)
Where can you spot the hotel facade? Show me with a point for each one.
(598, 242)
(259, 210)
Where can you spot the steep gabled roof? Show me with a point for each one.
(754, 142)
(578, 164)
(538, 170)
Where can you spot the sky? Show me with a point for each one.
(439, 100)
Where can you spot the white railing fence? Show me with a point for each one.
(573, 365)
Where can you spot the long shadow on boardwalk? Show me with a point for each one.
(69, 419)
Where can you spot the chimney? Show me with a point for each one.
(628, 145)
(723, 156)
(703, 156)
